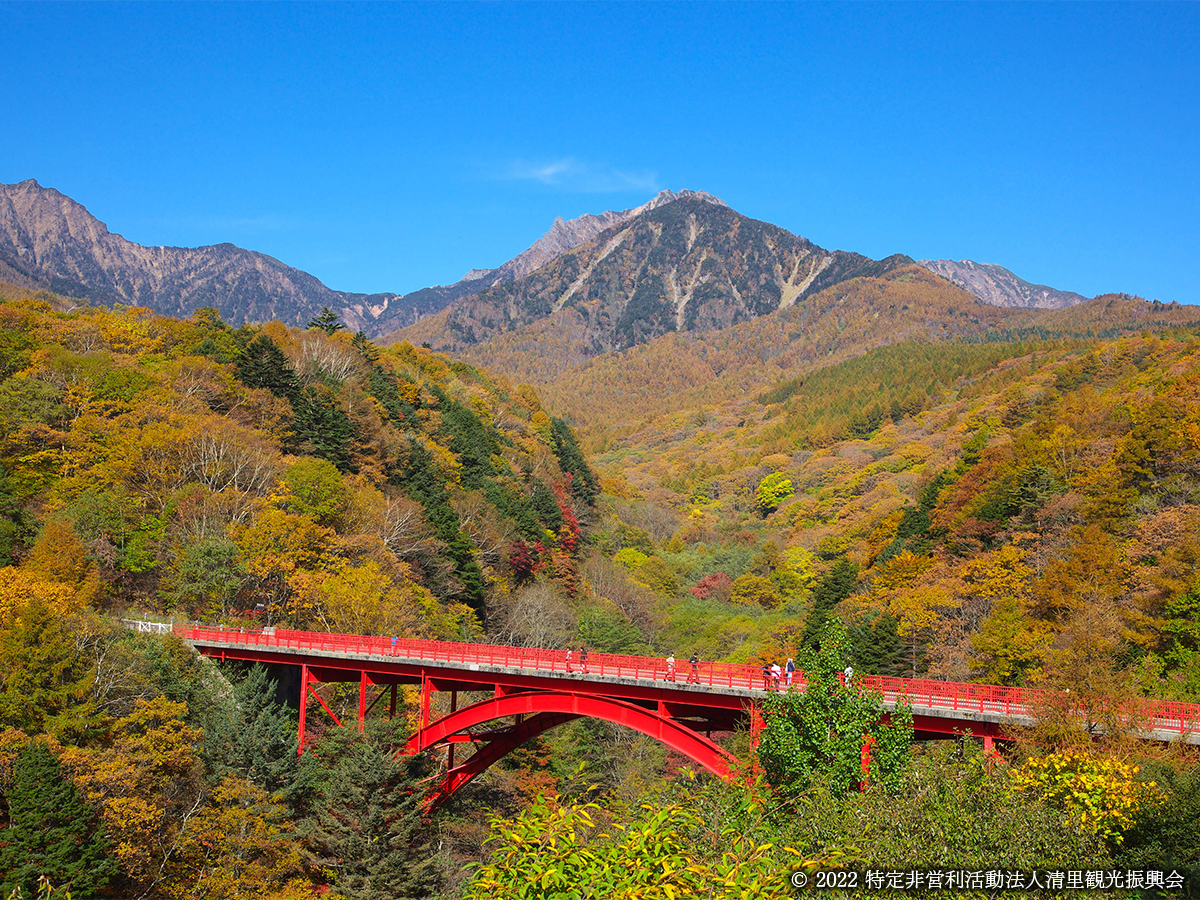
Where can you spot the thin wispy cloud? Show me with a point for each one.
(578, 175)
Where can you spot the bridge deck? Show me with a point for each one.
(938, 706)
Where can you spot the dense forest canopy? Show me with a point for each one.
(1019, 510)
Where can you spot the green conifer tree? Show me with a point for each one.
(51, 831)
(546, 507)
(321, 427)
(327, 320)
(878, 649)
(584, 484)
(250, 735)
(45, 684)
(831, 590)
(366, 820)
(263, 365)
(363, 345)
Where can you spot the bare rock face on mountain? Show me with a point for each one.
(998, 286)
(682, 261)
(49, 239)
(685, 264)
(564, 235)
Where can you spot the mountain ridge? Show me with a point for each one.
(563, 236)
(52, 240)
(997, 285)
(566, 235)
(685, 265)
(49, 241)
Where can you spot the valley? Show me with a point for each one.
(680, 432)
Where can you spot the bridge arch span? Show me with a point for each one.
(540, 711)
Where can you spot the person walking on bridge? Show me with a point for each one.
(568, 660)
(695, 676)
(790, 671)
(583, 658)
(670, 667)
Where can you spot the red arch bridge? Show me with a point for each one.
(539, 689)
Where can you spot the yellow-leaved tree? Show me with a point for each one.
(1100, 795)
(1009, 644)
(914, 607)
(285, 554)
(19, 586)
(361, 598)
(238, 846)
(148, 783)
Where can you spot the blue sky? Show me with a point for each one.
(389, 147)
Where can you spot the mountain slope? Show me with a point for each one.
(965, 482)
(997, 285)
(611, 393)
(48, 240)
(687, 265)
(418, 466)
(563, 235)
(567, 235)
(615, 391)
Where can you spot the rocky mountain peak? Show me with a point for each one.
(682, 262)
(665, 196)
(49, 240)
(567, 234)
(998, 286)
(38, 216)
(564, 235)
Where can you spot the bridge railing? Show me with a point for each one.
(1010, 702)
(1164, 715)
(712, 674)
(955, 695)
(147, 627)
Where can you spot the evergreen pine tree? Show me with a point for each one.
(327, 320)
(252, 736)
(263, 365)
(51, 832)
(469, 439)
(548, 511)
(319, 425)
(321, 428)
(45, 684)
(363, 345)
(366, 821)
(831, 590)
(584, 484)
(877, 646)
(423, 482)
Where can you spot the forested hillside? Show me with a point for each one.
(186, 467)
(267, 476)
(1010, 513)
(1018, 508)
(615, 393)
